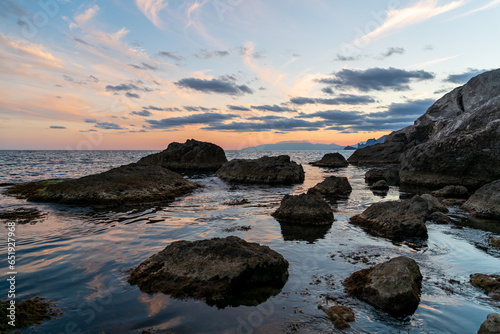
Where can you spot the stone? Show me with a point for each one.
(485, 202)
(491, 325)
(126, 185)
(305, 209)
(452, 192)
(393, 286)
(439, 218)
(495, 242)
(490, 284)
(220, 271)
(380, 185)
(332, 160)
(265, 170)
(340, 315)
(336, 186)
(390, 174)
(193, 155)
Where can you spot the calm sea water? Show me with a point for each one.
(78, 257)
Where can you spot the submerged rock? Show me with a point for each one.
(23, 215)
(399, 220)
(390, 174)
(340, 315)
(452, 192)
(380, 185)
(393, 286)
(332, 160)
(334, 186)
(305, 209)
(491, 325)
(485, 202)
(193, 155)
(220, 271)
(28, 312)
(125, 185)
(265, 170)
(490, 284)
(309, 233)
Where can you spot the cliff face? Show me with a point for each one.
(457, 141)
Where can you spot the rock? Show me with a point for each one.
(350, 148)
(340, 315)
(495, 242)
(439, 218)
(452, 192)
(220, 271)
(29, 313)
(265, 170)
(334, 186)
(380, 185)
(23, 216)
(393, 286)
(193, 155)
(485, 202)
(490, 284)
(398, 220)
(388, 173)
(491, 325)
(309, 233)
(388, 152)
(125, 185)
(433, 204)
(332, 160)
(305, 209)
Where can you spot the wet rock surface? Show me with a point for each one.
(305, 209)
(490, 284)
(22, 215)
(334, 186)
(332, 160)
(491, 325)
(452, 192)
(29, 312)
(265, 170)
(380, 185)
(193, 155)
(393, 286)
(340, 315)
(390, 174)
(485, 202)
(221, 271)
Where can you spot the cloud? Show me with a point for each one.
(238, 108)
(392, 51)
(144, 66)
(90, 120)
(93, 78)
(108, 126)
(376, 79)
(126, 88)
(57, 127)
(151, 9)
(341, 99)
(219, 86)
(463, 77)
(14, 8)
(145, 113)
(480, 9)
(273, 123)
(132, 95)
(340, 57)
(32, 53)
(273, 108)
(171, 55)
(205, 54)
(327, 90)
(205, 118)
(161, 109)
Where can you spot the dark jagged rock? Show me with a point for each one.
(332, 160)
(340, 315)
(305, 209)
(399, 220)
(220, 271)
(393, 286)
(265, 170)
(439, 218)
(452, 192)
(193, 155)
(485, 202)
(380, 185)
(388, 152)
(390, 174)
(491, 325)
(125, 185)
(490, 284)
(28, 312)
(334, 186)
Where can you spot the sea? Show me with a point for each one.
(79, 257)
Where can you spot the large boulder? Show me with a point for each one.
(490, 284)
(399, 220)
(389, 173)
(220, 271)
(452, 192)
(387, 152)
(265, 170)
(393, 286)
(336, 186)
(305, 209)
(485, 202)
(332, 160)
(193, 155)
(125, 185)
(491, 325)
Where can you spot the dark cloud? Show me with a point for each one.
(341, 99)
(220, 86)
(132, 95)
(127, 87)
(93, 78)
(205, 54)
(273, 108)
(340, 57)
(145, 113)
(108, 126)
(463, 77)
(205, 118)
(392, 51)
(273, 123)
(376, 79)
(243, 50)
(57, 127)
(161, 109)
(81, 41)
(192, 108)
(327, 90)
(265, 118)
(238, 108)
(144, 66)
(67, 78)
(171, 55)
(90, 120)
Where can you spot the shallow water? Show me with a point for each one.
(78, 257)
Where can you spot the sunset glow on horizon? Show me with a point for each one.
(140, 74)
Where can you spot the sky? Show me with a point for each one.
(139, 74)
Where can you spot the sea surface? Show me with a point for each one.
(79, 257)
